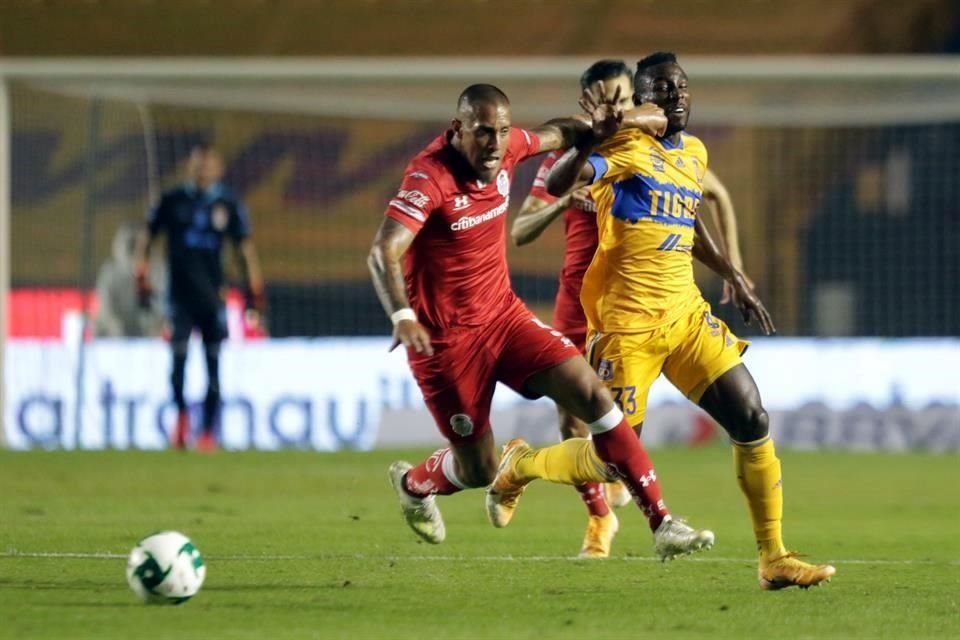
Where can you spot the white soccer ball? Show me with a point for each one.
(165, 568)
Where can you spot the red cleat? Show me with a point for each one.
(181, 431)
(206, 443)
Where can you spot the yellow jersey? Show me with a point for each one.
(647, 192)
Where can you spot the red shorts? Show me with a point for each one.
(569, 319)
(458, 380)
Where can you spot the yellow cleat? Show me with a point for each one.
(599, 537)
(617, 494)
(504, 492)
(787, 571)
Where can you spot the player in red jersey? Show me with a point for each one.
(439, 266)
(539, 210)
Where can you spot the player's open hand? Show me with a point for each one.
(749, 304)
(604, 113)
(412, 334)
(727, 293)
(649, 118)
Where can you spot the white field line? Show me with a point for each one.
(105, 555)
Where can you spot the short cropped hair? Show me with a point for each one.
(481, 93)
(603, 70)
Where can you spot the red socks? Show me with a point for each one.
(434, 476)
(592, 495)
(623, 452)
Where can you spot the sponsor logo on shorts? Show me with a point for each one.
(605, 369)
(462, 424)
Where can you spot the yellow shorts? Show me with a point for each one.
(692, 352)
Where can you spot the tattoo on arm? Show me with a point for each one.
(391, 242)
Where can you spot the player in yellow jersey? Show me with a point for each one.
(647, 316)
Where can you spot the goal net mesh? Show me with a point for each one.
(845, 182)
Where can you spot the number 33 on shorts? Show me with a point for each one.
(625, 398)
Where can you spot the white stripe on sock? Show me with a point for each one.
(449, 465)
(606, 422)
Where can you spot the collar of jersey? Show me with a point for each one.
(213, 192)
(669, 146)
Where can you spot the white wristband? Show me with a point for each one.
(402, 314)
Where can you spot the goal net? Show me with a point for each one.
(843, 172)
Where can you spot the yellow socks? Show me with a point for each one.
(573, 461)
(758, 474)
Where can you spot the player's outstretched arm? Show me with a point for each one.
(706, 251)
(601, 118)
(725, 218)
(647, 117)
(572, 170)
(391, 242)
(535, 216)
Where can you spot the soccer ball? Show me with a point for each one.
(165, 568)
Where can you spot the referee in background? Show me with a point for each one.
(197, 217)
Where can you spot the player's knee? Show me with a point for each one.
(753, 422)
(212, 350)
(590, 391)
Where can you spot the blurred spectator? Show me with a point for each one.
(119, 313)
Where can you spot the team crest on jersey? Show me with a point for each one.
(605, 369)
(462, 424)
(503, 183)
(219, 217)
(657, 161)
(680, 163)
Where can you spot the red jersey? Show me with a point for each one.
(456, 269)
(580, 229)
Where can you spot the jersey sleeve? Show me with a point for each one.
(239, 228)
(524, 143)
(417, 197)
(539, 189)
(613, 160)
(157, 216)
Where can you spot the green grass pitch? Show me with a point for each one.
(305, 545)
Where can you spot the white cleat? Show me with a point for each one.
(422, 514)
(676, 538)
